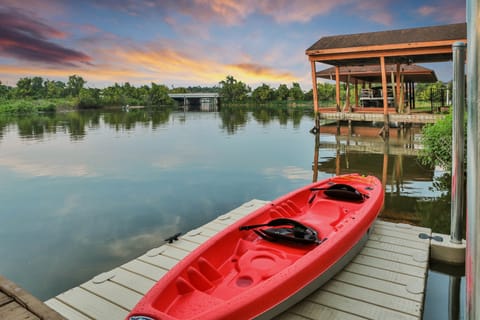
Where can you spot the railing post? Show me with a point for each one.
(472, 310)
(458, 143)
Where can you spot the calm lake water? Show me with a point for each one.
(82, 193)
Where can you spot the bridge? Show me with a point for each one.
(204, 100)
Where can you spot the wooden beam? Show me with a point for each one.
(347, 55)
(411, 46)
(337, 83)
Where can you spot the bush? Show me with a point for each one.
(437, 143)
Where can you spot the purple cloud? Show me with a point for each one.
(22, 37)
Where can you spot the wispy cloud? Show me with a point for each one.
(445, 11)
(25, 38)
(289, 172)
(286, 11)
(37, 169)
(230, 12)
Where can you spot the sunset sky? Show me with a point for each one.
(192, 42)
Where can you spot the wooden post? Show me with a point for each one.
(402, 94)
(397, 89)
(337, 155)
(347, 94)
(385, 97)
(337, 91)
(356, 93)
(315, 94)
(413, 95)
(315, 157)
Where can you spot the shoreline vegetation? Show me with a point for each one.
(38, 95)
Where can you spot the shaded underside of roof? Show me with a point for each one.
(415, 45)
(373, 74)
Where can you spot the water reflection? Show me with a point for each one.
(76, 124)
(414, 194)
(101, 188)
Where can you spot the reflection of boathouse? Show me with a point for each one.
(358, 148)
(386, 57)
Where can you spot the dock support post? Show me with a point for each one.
(337, 87)
(458, 143)
(315, 95)
(473, 178)
(385, 98)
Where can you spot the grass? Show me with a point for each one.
(25, 106)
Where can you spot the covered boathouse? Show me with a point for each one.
(372, 57)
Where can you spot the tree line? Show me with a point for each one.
(74, 88)
(230, 89)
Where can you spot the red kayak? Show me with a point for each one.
(272, 258)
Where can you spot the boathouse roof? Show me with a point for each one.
(414, 45)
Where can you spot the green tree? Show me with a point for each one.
(296, 92)
(37, 88)
(326, 91)
(54, 89)
(24, 87)
(4, 91)
(232, 90)
(89, 98)
(75, 85)
(282, 92)
(263, 93)
(179, 90)
(159, 95)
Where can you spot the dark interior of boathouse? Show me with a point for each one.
(388, 58)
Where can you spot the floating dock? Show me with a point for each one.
(386, 280)
(365, 115)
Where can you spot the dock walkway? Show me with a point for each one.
(386, 280)
(16, 303)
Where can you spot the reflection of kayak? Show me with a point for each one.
(272, 258)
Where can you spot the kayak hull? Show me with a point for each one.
(237, 274)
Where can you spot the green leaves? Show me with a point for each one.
(437, 143)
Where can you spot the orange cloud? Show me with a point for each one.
(258, 73)
(165, 66)
(169, 65)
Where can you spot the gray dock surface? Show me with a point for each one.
(386, 280)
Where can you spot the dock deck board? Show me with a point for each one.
(16, 303)
(386, 280)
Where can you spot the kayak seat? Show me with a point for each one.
(344, 192)
(329, 211)
(285, 230)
